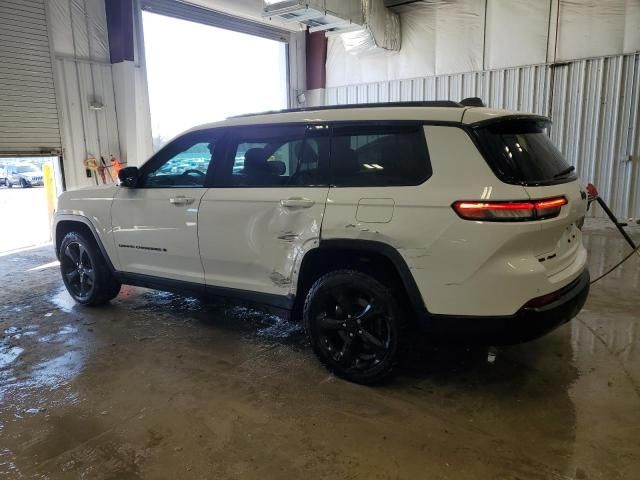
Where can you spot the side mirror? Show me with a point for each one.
(128, 177)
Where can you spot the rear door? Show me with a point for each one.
(520, 151)
(266, 208)
(156, 224)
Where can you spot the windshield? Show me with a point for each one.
(520, 151)
(25, 169)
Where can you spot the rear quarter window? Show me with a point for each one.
(379, 155)
(521, 152)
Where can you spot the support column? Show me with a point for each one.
(316, 60)
(129, 82)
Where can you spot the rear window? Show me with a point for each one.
(374, 155)
(522, 152)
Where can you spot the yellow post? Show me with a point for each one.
(49, 189)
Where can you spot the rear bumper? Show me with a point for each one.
(527, 324)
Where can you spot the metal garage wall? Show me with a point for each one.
(594, 104)
(596, 124)
(86, 132)
(84, 84)
(522, 88)
(28, 111)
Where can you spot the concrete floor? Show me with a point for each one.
(159, 386)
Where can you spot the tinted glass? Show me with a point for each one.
(379, 156)
(25, 169)
(277, 156)
(183, 163)
(522, 152)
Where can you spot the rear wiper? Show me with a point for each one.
(564, 172)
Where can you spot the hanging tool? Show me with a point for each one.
(91, 164)
(593, 196)
(103, 169)
(117, 166)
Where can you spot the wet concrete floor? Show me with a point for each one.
(163, 387)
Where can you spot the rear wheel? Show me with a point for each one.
(23, 183)
(85, 272)
(355, 326)
(9, 184)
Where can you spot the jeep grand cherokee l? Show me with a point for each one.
(365, 221)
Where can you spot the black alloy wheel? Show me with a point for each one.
(85, 272)
(78, 271)
(354, 325)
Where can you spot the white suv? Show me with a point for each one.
(366, 221)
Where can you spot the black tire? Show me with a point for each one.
(23, 183)
(85, 272)
(9, 184)
(355, 326)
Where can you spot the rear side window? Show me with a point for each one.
(379, 155)
(521, 152)
(278, 156)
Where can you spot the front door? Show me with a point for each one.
(156, 224)
(265, 210)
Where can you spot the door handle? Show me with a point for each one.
(180, 200)
(297, 202)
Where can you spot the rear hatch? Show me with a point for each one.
(519, 151)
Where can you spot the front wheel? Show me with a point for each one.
(355, 326)
(85, 272)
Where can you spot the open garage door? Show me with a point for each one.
(195, 13)
(28, 113)
(203, 66)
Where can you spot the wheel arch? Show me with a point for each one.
(77, 223)
(377, 258)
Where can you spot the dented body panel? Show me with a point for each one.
(249, 240)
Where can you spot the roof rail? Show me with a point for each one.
(434, 103)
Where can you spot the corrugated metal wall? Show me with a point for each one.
(84, 85)
(594, 105)
(86, 132)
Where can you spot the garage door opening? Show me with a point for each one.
(29, 187)
(199, 74)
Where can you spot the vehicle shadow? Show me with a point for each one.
(511, 401)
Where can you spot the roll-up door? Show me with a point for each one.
(28, 113)
(194, 13)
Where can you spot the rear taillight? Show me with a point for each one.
(511, 211)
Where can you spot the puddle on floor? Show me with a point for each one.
(8, 355)
(157, 301)
(234, 315)
(63, 300)
(268, 325)
(60, 335)
(7, 466)
(56, 371)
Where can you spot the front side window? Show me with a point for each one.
(183, 163)
(379, 156)
(25, 169)
(278, 157)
